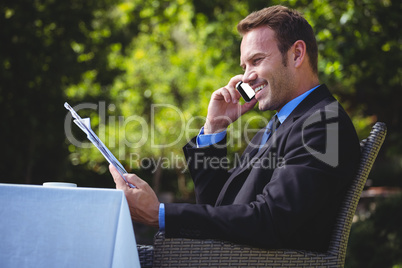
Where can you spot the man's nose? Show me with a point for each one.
(249, 76)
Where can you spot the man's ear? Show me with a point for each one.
(299, 53)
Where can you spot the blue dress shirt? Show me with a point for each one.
(209, 139)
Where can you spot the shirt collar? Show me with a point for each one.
(288, 108)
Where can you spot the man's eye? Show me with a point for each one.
(256, 61)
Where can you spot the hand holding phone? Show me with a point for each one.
(245, 91)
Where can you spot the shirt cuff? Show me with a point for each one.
(161, 217)
(209, 139)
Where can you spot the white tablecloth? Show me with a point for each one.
(65, 227)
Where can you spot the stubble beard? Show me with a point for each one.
(279, 91)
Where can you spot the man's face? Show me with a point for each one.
(264, 69)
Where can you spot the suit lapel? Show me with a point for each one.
(249, 152)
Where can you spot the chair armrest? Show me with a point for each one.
(146, 255)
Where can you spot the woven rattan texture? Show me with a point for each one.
(180, 252)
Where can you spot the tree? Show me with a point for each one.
(47, 45)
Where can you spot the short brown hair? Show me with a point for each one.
(288, 25)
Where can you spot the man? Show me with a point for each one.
(288, 205)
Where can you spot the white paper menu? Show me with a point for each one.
(85, 125)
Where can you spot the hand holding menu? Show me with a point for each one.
(85, 125)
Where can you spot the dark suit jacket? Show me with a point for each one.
(286, 195)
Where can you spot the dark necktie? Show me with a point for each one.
(273, 124)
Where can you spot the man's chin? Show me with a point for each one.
(262, 106)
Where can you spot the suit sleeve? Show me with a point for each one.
(208, 168)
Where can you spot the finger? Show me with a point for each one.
(248, 106)
(235, 79)
(120, 183)
(225, 94)
(231, 87)
(234, 94)
(135, 180)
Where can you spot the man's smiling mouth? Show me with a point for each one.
(259, 88)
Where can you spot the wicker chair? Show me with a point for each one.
(182, 252)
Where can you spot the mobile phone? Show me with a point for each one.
(245, 91)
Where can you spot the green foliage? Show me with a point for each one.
(45, 46)
(377, 241)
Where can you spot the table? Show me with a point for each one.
(65, 227)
